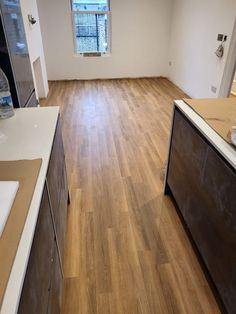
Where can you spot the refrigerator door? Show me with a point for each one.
(17, 49)
(5, 64)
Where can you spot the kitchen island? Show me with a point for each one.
(35, 281)
(201, 177)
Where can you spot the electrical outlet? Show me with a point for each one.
(213, 89)
(220, 37)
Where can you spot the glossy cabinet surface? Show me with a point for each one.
(203, 185)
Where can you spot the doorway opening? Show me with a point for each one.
(228, 86)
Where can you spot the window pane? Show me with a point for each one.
(90, 5)
(91, 32)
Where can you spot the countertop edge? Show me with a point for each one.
(212, 136)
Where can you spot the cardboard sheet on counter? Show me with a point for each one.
(220, 113)
(26, 172)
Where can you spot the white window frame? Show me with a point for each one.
(84, 53)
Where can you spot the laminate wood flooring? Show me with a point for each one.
(126, 249)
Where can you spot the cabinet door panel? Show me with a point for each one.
(219, 250)
(61, 222)
(55, 170)
(55, 298)
(35, 293)
(58, 189)
(186, 164)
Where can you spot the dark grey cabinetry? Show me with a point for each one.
(42, 289)
(35, 293)
(58, 190)
(55, 296)
(203, 185)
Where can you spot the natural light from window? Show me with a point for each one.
(91, 21)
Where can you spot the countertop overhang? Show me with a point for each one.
(224, 148)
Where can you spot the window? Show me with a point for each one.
(91, 21)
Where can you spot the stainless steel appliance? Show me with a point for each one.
(14, 56)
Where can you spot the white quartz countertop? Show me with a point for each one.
(27, 135)
(225, 149)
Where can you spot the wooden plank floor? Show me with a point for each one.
(126, 250)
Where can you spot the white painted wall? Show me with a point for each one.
(140, 39)
(35, 46)
(195, 25)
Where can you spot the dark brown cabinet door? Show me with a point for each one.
(58, 189)
(186, 164)
(35, 293)
(219, 226)
(61, 221)
(56, 286)
(55, 169)
(204, 187)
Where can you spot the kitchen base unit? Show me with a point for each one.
(36, 277)
(42, 289)
(201, 177)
